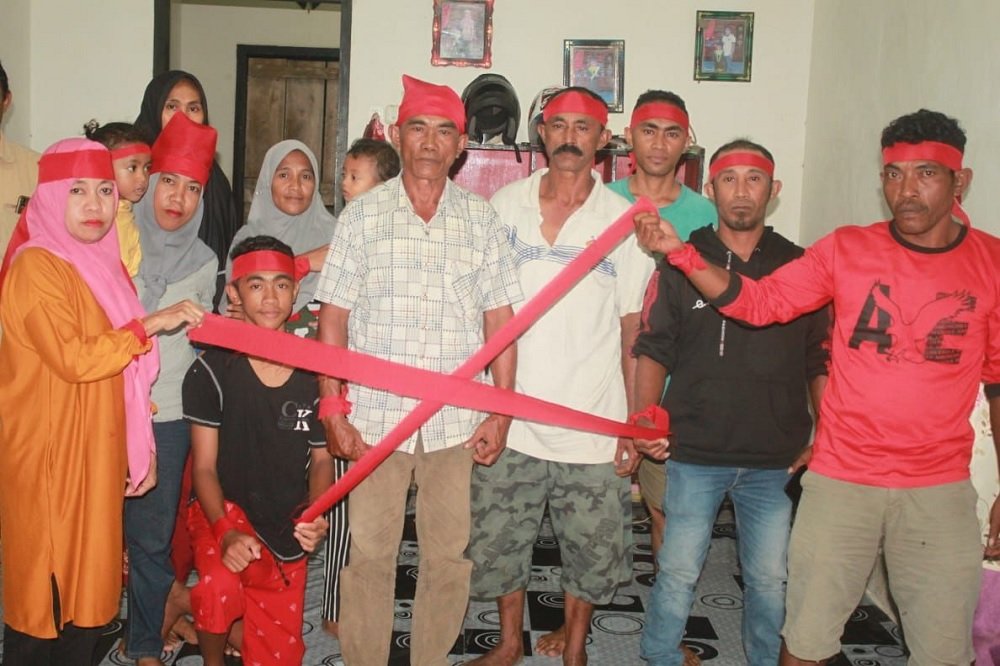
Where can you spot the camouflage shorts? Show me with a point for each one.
(591, 515)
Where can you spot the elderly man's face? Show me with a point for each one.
(428, 146)
(572, 140)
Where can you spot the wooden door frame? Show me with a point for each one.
(243, 54)
(161, 63)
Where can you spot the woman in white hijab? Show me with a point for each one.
(287, 205)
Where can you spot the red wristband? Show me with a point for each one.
(687, 259)
(335, 405)
(658, 415)
(138, 330)
(221, 527)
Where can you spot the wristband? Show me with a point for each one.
(687, 259)
(221, 527)
(138, 330)
(335, 405)
(658, 415)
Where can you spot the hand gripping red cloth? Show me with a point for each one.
(460, 389)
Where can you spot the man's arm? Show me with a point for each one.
(238, 549)
(626, 457)
(490, 437)
(343, 439)
(657, 235)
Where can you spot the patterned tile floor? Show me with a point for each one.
(713, 630)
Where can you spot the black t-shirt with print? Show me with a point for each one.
(265, 435)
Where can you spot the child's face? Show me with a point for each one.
(132, 175)
(294, 184)
(360, 175)
(266, 297)
(90, 209)
(175, 200)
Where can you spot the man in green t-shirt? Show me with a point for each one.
(658, 134)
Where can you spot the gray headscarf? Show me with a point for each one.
(306, 231)
(167, 256)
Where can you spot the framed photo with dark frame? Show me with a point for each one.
(723, 46)
(463, 33)
(598, 65)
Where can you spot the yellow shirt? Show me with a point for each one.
(18, 177)
(128, 237)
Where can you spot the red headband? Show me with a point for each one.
(659, 110)
(950, 156)
(270, 261)
(77, 164)
(138, 148)
(574, 101)
(741, 158)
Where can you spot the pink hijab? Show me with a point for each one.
(100, 266)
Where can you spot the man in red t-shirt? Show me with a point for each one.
(917, 303)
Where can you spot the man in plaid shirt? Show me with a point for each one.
(419, 272)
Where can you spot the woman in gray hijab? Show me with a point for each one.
(175, 261)
(287, 205)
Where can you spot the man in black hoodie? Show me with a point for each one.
(738, 400)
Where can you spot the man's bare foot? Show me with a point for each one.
(178, 605)
(502, 655)
(690, 658)
(552, 644)
(148, 661)
(182, 632)
(332, 627)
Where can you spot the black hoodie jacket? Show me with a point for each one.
(737, 395)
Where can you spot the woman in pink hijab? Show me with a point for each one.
(75, 375)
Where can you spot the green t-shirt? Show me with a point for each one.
(688, 212)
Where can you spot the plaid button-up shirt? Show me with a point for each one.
(417, 293)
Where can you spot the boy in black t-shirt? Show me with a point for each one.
(259, 453)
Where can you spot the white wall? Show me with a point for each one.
(874, 61)
(15, 53)
(88, 60)
(203, 41)
(659, 53)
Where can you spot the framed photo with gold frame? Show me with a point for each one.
(598, 65)
(463, 33)
(723, 46)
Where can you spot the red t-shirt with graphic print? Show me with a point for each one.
(915, 332)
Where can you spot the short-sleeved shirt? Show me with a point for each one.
(265, 436)
(18, 178)
(417, 292)
(689, 211)
(572, 355)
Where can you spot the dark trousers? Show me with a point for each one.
(74, 647)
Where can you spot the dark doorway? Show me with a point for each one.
(285, 93)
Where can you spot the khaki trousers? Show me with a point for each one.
(376, 513)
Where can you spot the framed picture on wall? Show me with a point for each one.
(463, 33)
(599, 65)
(723, 46)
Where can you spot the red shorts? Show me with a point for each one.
(268, 594)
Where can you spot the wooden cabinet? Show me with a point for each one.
(484, 169)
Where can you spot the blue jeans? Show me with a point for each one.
(763, 521)
(149, 527)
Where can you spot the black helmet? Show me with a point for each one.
(491, 109)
